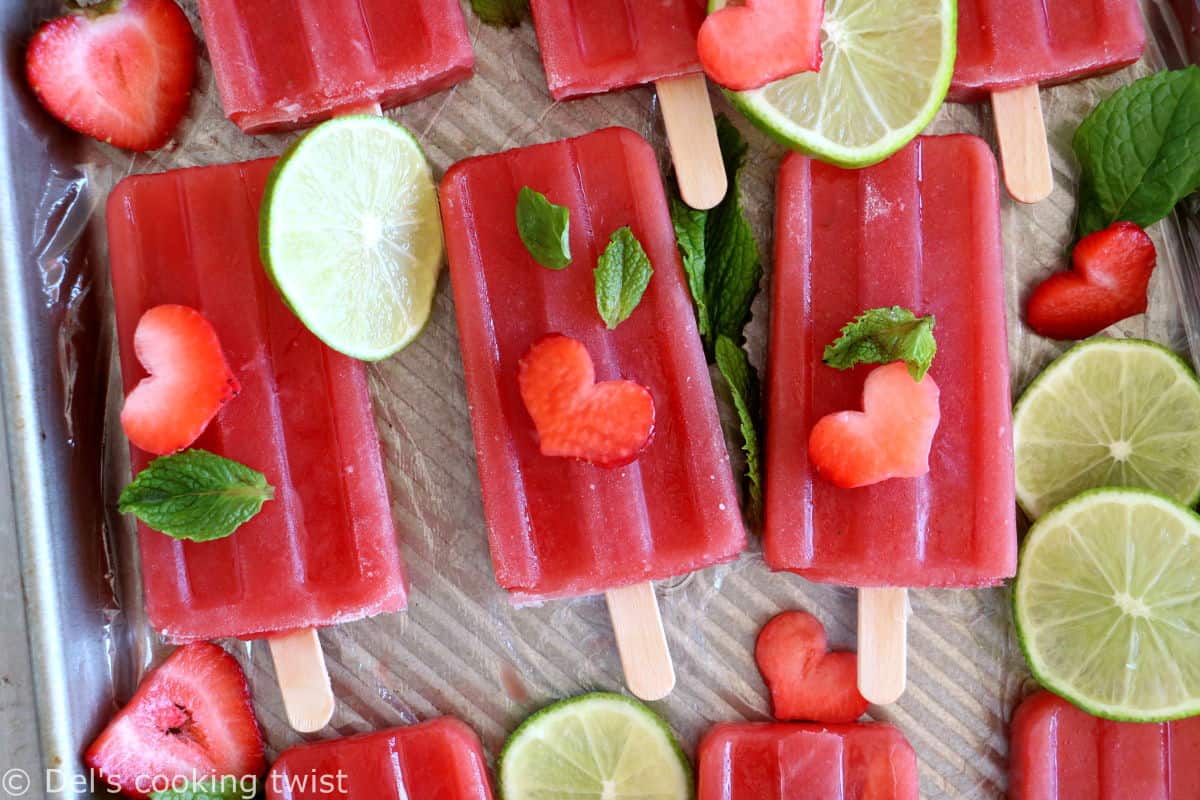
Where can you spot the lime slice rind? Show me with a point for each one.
(886, 71)
(1107, 604)
(351, 235)
(597, 746)
(1108, 412)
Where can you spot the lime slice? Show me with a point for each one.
(352, 237)
(595, 747)
(886, 70)
(1109, 412)
(1107, 604)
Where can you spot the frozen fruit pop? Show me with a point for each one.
(1062, 753)
(776, 761)
(604, 45)
(560, 527)
(1008, 48)
(922, 231)
(324, 551)
(288, 63)
(438, 760)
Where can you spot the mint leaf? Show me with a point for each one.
(884, 335)
(722, 263)
(738, 372)
(501, 13)
(690, 233)
(1140, 151)
(622, 275)
(545, 229)
(227, 788)
(196, 495)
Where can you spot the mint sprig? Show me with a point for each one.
(227, 788)
(545, 229)
(1139, 151)
(723, 267)
(884, 335)
(739, 374)
(501, 13)
(622, 275)
(196, 495)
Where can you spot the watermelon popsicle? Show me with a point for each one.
(1008, 48)
(1060, 753)
(440, 759)
(607, 45)
(773, 761)
(324, 550)
(920, 230)
(283, 64)
(560, 527)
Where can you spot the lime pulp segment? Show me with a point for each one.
(594, 747)
(886, 70)
(1109, 412)
(351, 235)
(1107, 604)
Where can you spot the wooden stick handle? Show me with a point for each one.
(882, 644)
(303, 679)
(641, 641)
(1024, 150)
(692, 137)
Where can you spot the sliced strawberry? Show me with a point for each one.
(747, 46)
(607, 424)
(120, 72)
(807, 682)
(890, 438)
(189, 380)
(1108, 283)
(191, 718)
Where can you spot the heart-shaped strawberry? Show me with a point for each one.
(607, 424)
(189, 380)
(1108, 283)
(747, 46)
(889, 438)
(807, 682)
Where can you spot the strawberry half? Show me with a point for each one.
(1108, 283)
(120, 72)
(890, 438)
(607, 424)
(807, 682)
(191, 718)
(189, 380)
(744, 47)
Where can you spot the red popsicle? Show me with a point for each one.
(289, 63)
(775, 761)
(1062, 753)
(437, 760)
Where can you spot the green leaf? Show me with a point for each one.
(690, 226)
(622, 275)
(1140, 151)
(720, 253)
(196, 495)
(884, 335)
(227, 788)
(545, 229)
(501, 13)
(742, 378)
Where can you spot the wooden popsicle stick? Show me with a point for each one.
(303, 679)
(882, 644)
(641, 641)
(692, 137)
(1024, 150)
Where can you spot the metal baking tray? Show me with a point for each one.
(73, 624)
